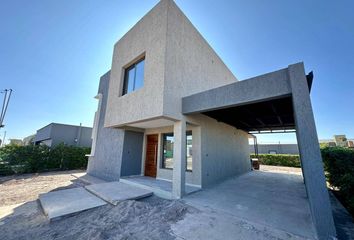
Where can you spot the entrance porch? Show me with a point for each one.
(161, 188)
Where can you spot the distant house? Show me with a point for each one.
(338, 141)
(56, 133)
(17, 142)
(29, 140)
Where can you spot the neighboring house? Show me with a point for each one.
(338, 141)
(17, 142)
(170, 109)
(29, 140)
(341, 140)
(280, 148)
(56, 133)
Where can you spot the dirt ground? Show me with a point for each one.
(149, 219)
(21, 216)
(278, 169)
(27, 187)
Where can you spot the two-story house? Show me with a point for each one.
(171, 110)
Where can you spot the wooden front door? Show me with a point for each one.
(151, 155)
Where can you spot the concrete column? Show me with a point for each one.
(179, 159)
(310, 155)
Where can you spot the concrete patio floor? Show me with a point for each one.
(159, 187)
(274, 200)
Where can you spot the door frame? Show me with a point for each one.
(156, 153)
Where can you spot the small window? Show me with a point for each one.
(189, 151)
(134, 77)
(168, 140)
(167, 155)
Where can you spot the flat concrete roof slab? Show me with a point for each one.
(66, 202)
(113, 192)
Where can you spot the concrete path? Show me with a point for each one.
(160, 188)
(275, 200)
(113, 192)
(70, 201)
(66, 202)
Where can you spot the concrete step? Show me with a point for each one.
(88, 178)
(66, 202)
(157, 191)
(113, 192)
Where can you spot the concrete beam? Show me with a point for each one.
(179, 159)
(264, 87)
(310, 155)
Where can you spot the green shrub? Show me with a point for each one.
(339, 168)
(285, 160)
(29, 159)
(69, 157)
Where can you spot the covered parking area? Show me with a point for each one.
(271, 198)
(273, 102)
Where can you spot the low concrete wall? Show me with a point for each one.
(278, 148)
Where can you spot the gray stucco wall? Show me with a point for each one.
(147, 37)
(279, 148)
(132, 153)
(191, 64)
(224, 150)
(106, 161)
(178, 62)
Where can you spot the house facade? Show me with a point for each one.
(57, 133)
(170, 109)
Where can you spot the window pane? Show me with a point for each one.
(139, 75)
(129, 80)
(168, 141)
(167, 156)
(189, 151)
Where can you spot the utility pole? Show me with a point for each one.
(5, 104)
(3, 139)
(79, 135)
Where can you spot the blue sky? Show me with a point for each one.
(52, 53)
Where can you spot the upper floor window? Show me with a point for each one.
(134, 77)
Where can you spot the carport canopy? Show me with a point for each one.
(269, 115)
(276, 101)
(260, 104)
